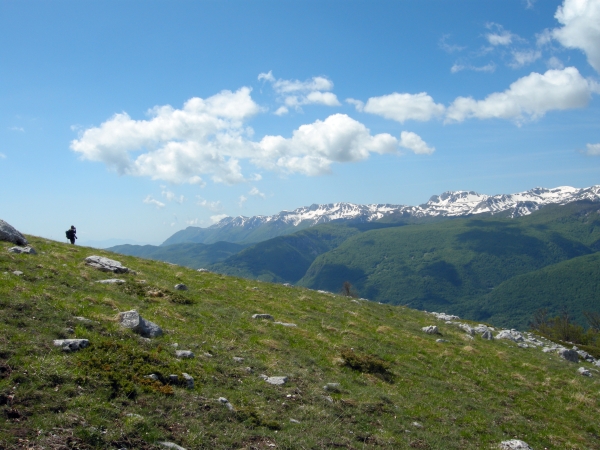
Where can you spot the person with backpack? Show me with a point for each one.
(71, 234)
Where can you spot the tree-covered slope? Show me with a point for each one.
(287, 258)
(188, 254)
(394, 387)
(451, 265)
(572, 285)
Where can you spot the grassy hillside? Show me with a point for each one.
(190, 255)
(572, 284)
(453, 264)
(462, 394)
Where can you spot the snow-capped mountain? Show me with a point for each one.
(448, 204)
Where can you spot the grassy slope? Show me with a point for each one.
(466, 394)
(572, 284)
(451, 265)
(187, 254)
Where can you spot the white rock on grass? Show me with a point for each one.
(171, 445)
(263, 316)
(71, 345)
(283, 324)
(512, 335)
(184, 353)
(277, 381)
(181, 287)
(467, 328)
(27, 250)
(226, 403)
(111, 281)
(332, 387)
(584, 372)
(133, 320)
(105, 264)
(431, 329)
(203, 270)
(514, 444)
(189, 380)
(17, 273)
(8, 233)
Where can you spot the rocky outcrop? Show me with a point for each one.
(431, 329)
(514, 444)
(141, 326)
(27, 250)
(569, 355)
(71, 345)
(105, 264)
(8, 233)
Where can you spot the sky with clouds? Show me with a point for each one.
(133, 120)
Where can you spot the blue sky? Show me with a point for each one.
(133, 120)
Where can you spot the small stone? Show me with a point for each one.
(71, 345)
(17, 273)
(277, 381)
(287, 284)
(181, 287)
(27, 250)
(133, 320)
(514, 444)
(584, 372)
(332, 387)
(263, 316)
(522, 345)
(294, 421)
(569, 355)
(134, 416)
(248, 369)
(441, 340)
(171, 445)
(208, 355)
(328, 398)
(189, 380)
(238, 359)
(111, 281)
(173, 379)
(225, 402)
(184, 353)
(283, 324)
(417, 425)
(431, 329)
(82, 319)
(152, 376)
(203, 270)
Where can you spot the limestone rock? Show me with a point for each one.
(17, 273)
(431, 329)
(487, 335)
(152, 376)
(27, 250)
(583, 371)
(181, 287)
(441, 340)
(111, 281)
(569, 355)
(263, 316)
(9, 234)
(283, 324)
(277, 381)
(294, 421)
(514, 444)
(71, 345)
(512, 335)
(203, 270)
(133, 320)
(225, 402)
(238, 359)
(467, 328)
(189, 380)
(184, 354)
(105, 264)
(332, 387)
(171, 445)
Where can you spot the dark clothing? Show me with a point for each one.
(71, 235)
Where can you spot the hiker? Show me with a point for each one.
(71, 234)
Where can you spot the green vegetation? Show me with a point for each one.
(191, 255)
(466, 394)
(456, 266)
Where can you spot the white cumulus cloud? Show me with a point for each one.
(172, 197)
(151, 201)
(581, 28)
(295, 93)
(499, 36)
(177, 145)
(529, 97)
(255, 192)
(212, 206)
(402, 107)
(314, 147)
(593, 149)
(524, 57)
(414, 143)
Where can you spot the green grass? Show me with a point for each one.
(466, 394)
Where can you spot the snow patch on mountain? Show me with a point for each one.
(448, 204)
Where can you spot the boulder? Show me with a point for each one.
(181, 287)
(512, 335)
(225, 402)
(569, 355)
(514, 444)
(189, 380)
(487, 335)
(135, 322)
(27, 250)
(263, 316)
(184, 353)
(105, 264)
(71, 345)
(431, 329)
(9, 234)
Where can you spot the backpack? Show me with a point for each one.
(69, 234)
